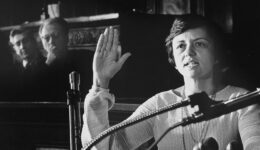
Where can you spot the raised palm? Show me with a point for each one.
(107, 58)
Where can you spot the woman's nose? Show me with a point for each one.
(190, 51)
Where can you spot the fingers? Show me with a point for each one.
(100, 43)
(110, 39)
(119, 51)
(115, 43)
(108, 44)
(122, 60)
(103, 48)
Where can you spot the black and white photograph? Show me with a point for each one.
(129, 75)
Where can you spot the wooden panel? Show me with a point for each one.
(31, 125)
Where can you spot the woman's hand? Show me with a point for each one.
(107, 58)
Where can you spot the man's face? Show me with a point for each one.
(23, 46)
(193, 53)
(54, 40)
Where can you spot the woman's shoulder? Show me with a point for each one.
(170, 94)
(164, 98)
(228, 90)
(233, 89)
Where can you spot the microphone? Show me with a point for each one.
(207, 144)
(212, 110)
(73, 102)
(74, 80)
(234, 145)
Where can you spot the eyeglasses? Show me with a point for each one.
(53, 35)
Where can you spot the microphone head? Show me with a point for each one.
(209, 144)
(74, 80)
(201, 100)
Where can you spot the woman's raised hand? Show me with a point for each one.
(107, 58)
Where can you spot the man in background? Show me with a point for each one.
(54, 36)
(61, 61)
(25, 49)
(27, 76)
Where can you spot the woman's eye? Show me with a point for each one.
(180, 46)
(201, 44)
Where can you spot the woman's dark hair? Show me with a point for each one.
(183, 23)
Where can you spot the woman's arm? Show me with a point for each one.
(107, 62)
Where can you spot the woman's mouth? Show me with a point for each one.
(191, 64)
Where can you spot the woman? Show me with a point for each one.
(194, 46)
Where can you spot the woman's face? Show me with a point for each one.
(193, 53)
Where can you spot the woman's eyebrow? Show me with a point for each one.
(202, 38)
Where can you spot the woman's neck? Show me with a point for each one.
(192, 86)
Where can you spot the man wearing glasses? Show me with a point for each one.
(60, 61)
(54, 36)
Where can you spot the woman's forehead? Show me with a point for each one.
(193, 34)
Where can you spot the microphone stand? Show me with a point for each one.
(73, 102)
(208, 111)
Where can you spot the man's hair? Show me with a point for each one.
(28, 34)
(183, 23)
(26, 31)
(56, 21)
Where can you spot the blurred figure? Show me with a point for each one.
(26, 53)
(28, 65)
(54, 36)
(60, 61)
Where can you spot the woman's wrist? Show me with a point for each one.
(101, 83)
(96, 89)
(100, 89)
